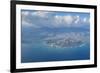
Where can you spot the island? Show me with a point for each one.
(67, 40)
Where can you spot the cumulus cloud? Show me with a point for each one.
(77, 19)
(25, 23)
(39, 19)
(40, 13)
(28, 24)
(25, 13)
(86, 20)
(68, 19)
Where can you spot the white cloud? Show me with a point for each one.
(77, 19)
(63, 20)
(29, 24)
(25, 23)
(68, 19)
(38, 19)
(58, 19)
(86, 20)
(25, 13)
(40, 14)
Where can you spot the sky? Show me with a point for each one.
(54, 19)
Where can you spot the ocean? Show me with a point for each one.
(34, 50)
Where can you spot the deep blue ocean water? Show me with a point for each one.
(33, 50)
(41, 54)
